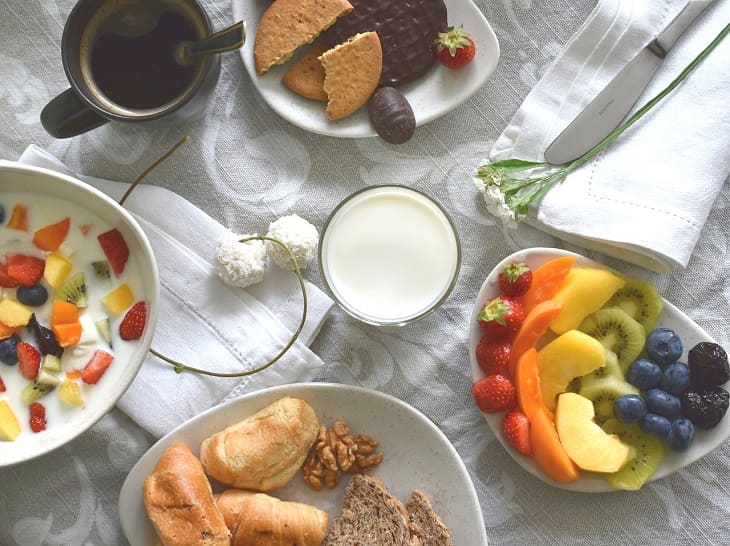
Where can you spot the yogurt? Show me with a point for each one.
(82, 248)
(389, 255)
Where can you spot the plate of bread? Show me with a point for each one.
(307, 464)
(317, 63)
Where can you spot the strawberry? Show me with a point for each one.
(493, 355)
(37, 417)
(2, 385)
(132, 324)
(455, 48)
(115, 247)
(96, 367)
(494, 393)
(516, 431)
(515, 279)
(501, 318)
(5, 280)
(25, 270)
(29, 360)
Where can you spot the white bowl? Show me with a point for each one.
(16, 178)
(671, 317)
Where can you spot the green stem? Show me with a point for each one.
(613, 135)
(180, 367)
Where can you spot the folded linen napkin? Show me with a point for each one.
(645, 198)
(202, 321)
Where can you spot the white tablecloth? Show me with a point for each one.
(245, 166)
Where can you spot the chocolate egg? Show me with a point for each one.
(392, 115)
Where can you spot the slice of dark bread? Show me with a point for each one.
(426, 527)
(371, 516)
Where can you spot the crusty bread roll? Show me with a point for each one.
(180, 504)
(265, 450)
(229, 503)
(268, 521)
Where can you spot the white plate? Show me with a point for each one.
(691, 334)
(417, 455)
(434, 94)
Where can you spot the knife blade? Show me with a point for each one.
(610, 106)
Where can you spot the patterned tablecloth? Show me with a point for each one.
(246, 166)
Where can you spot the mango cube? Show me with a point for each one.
(119, 299)
(57, 269)
(9, 425)
(14, 314)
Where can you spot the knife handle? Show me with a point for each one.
(667, 38)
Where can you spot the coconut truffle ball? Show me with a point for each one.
(240, 264)
(299, 235)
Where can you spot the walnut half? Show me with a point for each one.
(335, 450)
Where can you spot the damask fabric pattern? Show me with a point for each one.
(245, 167)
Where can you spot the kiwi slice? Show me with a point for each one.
(104, 330)
(617, 332)
(611, 369)
(35, 390)
(603, 391)
(73, 290)
(51, 364)
(646, 455)
(640, 300)
(101, 269)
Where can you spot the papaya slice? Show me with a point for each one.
(549, 453)
(533, 328)
(546, 279)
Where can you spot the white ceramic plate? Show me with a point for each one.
(434, 94)
(691, 334)
(34, 180)
(417, 455)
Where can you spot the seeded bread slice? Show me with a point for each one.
(371, 516)
(426, 527)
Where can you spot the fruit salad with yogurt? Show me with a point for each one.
(72, 305)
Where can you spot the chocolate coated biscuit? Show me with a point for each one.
(407, 30)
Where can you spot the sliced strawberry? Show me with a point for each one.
(2, 385)
(516, 431)
(29, 360)
(5, 280)
(37, 417)
(494, 393)
(51, 237)
(96, 367)
(132, 325)
(115, 248)
(25, 270)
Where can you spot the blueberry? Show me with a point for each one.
(629, 408)
(8, 350)
(663, 403)
(663, 346)
(680, 435)
(644, 374)
(675, 378)
(656, 425)
(32, 296)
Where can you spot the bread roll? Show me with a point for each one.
(179, 502)
(268, 521)
(229, 503)
(265, 450)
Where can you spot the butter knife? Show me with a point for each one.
(610, 106)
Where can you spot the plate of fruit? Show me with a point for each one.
(293, 85)
(78, 292)
(590, 379)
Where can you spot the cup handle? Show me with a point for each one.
(67, 115)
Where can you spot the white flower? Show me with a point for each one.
(240, 264)
(299, 235)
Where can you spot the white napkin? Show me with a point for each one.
(646, 198)
(202, 321)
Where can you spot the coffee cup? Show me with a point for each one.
(119, 57)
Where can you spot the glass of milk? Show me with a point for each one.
(389, 255)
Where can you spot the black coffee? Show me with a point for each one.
(141, 72)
